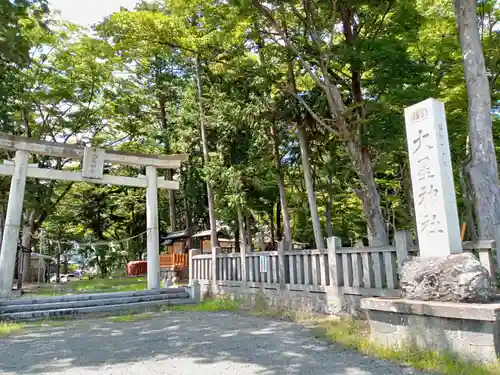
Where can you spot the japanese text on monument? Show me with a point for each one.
(427, 188)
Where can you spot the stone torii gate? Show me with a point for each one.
(92, 172)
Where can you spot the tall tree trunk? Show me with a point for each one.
(278, 221)
(271, 228)
(66, 264)
(329, 206)
(368, 194)
(26, 242)
(277, 162)
(102, 267)
(311, 194)
(169, 172)
(408, 193)
(237, 235)
(58, 270)
(261, 238)
(248, 233)
(345, 128)
(204, 141)
(483, 167)
(171, 203)
(189, 223)
(465, 185)
(466, 196)
(287, 229)
(187, 204)
(306, 167)
(241, 227)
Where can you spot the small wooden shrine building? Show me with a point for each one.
(201, 240)
(175, 242)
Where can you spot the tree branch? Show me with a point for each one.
(332, 30)
(267, 13)
(313, 114)
(47, 211)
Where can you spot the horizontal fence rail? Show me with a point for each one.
(367, 271)
(360, 271)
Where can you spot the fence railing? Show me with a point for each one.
(367, 271)
(363, 271)
(484, 251)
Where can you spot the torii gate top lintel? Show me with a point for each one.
(15, 143)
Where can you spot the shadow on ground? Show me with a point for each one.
(182, 343)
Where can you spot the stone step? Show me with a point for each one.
(89, 296)
(56, 305)
(117, 307)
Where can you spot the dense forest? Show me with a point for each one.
(291, 112)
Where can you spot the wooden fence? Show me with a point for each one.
(367, 271)
(174, 260)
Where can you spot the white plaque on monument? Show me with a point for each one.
(93, 163)
(432, 179)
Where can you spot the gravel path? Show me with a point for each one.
(180, 343)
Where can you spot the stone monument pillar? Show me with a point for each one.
(432, 179)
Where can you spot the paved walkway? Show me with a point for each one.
(180, 343)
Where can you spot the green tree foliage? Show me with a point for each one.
(131, 85)
(16, 18)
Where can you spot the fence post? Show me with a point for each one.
(192, 275)
(334, 268)
(195, 291)
(243, 256)
(213, 281)
(281, 264)
(486, 258)
(335, 300)
(401, 241)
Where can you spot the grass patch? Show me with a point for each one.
(7, 328)
(53, 322)
(351, 334)
(50, 323)
(354, 335)
(120, 284)
(130, 317)
(96, 285)
(209, 305)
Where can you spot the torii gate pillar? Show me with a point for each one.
(152, 227)
(13, 223)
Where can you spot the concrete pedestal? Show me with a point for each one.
(470, 331)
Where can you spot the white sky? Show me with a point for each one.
(88, 12)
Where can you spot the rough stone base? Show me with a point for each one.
(180, 273)
(470, 331)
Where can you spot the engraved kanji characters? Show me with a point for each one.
(442, 140)
(431, 224)
(422, 138)
(425, 171)
(427, 191)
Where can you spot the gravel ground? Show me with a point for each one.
(180, 343)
